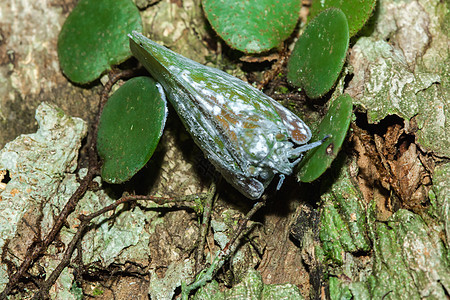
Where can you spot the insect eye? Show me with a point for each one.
(280, 137)
(252, 170)
(266, 175)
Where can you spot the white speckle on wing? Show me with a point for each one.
(220, 99)
(207, 92)
(301, 126)
(238, 106)
(260, 146)
(204, 103)
(179, 102)
(216, 110)
(185, 75)
(174, 69)
(195, 84)
(289, 126)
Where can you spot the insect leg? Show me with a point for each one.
(280, 182)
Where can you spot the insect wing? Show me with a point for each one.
(251, 124)
(202, 131)
(246, 123)
(243, 132)
(298, 131)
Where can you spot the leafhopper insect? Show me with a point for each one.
(245, 134)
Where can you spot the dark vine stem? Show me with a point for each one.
(207, 209)
(224, 254)
(290, 96)
(86, 221)
(277, 67)
(39, 247)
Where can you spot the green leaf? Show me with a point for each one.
(94, 38)
(320, 53)
(252, 26)
(357, 11)
(130, 128)
(335, 123)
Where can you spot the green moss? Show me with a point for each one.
(343, 219)
(252, 287)
(97, 292)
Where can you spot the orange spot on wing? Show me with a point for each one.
(298, 135)
(14, 192)
(224, 121)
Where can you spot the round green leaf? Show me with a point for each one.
(130, 128)
(335, 124)
(357, 11)
(320, 53)
(94, 37)
(252, 26)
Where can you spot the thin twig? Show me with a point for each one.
(37, 249)
(277, 67)
(212, 196)
(289, 96)
(223, 255)
(85, 222)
